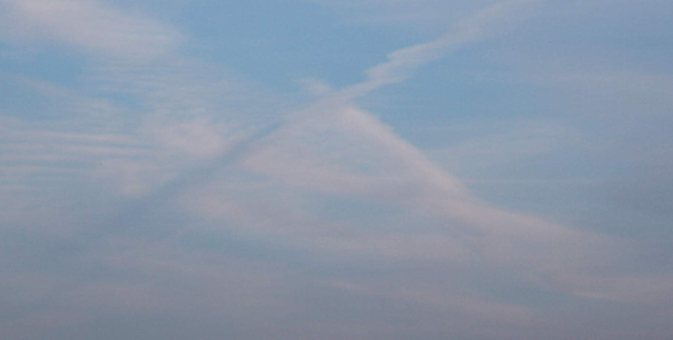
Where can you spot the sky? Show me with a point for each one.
(336, 169)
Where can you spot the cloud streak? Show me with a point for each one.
(474, 28)
(91, 26)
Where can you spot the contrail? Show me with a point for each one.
(399, 66)
(125, 219)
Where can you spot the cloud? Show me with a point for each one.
(346, 152)
(91, 26)
(335, 148)
(320, 223)
(199, 137)
(48, 157)
(476, 27)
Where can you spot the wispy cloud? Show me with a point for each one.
(334, 147)
(92, 26)
(476, 27)
(173, 179)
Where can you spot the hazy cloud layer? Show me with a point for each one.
(480, 181)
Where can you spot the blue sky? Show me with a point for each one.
(323, 169)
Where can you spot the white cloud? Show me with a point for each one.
(332, 150)
(344, 151)
(90, 25)
(200, 137)
(39, 158)
(335, 148)
(482, 24)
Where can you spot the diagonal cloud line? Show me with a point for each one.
(400, 65)
(93, 26)
(194, 177)
(121, 221)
